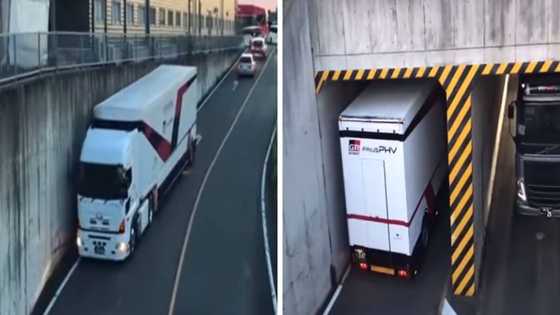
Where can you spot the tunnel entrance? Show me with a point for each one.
(473, 111)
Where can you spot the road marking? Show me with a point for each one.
(59, 290)
(235, 85)
(263, 216)
(447, 309)
(218, 85)
(201, 189)
(337, 292)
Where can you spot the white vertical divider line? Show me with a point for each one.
(264, 225)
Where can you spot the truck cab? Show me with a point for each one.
(136, 146)
(107, 181)
(536, 116)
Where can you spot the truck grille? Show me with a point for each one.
(544, 196)
(542, 180)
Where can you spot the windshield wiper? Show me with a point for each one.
(548, 149)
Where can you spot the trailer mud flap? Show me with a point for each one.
(456, 80)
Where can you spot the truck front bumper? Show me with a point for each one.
(524, 208)
(100, 245)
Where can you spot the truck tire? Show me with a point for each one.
(132, 241)
(153, 203)
(150, 213)
(191, 154)
(425, 233)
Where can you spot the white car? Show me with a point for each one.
(272, 37)
(259, 47)
(247, 65)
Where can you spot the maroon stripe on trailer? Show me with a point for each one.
(430, 196)
(158, 142)
(178, 106)
(377, 219)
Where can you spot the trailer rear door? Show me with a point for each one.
(366, 200)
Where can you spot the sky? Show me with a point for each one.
(267, 4)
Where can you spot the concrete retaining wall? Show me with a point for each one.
(307, 250)
(42, 125)
(396, 33)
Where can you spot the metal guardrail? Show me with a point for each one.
(22, 54)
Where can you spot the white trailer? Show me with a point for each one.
(138, 142)
(392, 139)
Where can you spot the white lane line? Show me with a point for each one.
(337, 292)
(218, 85)
(263, 216)
(59, 290)
(201, 189)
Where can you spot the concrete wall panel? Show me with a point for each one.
(307, 249)
(42, 125)
(410, 33)
(499, 18)
(406, 31)
(467, 20)
(438, 23)
(531, 22)
(328, 27)
(359, 10)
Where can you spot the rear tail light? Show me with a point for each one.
(363, 266)
(403, 273)
(121, 227)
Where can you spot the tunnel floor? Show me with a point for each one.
(371, 293)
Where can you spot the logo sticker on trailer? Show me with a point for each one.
(381, 149)
(354, 147)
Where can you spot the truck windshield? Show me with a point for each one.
(540, 123)
(103, 181)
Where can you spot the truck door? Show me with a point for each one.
(367, 203)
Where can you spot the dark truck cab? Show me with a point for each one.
(536, 114)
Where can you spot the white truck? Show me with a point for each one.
(392, 140)
(139, 141)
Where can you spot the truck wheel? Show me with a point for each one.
(425, 234)
(132, 241)
(150, 214)
(191, 155)
(153, 204)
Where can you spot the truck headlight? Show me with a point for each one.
(122, 247)
(79, 241)
(521, 189)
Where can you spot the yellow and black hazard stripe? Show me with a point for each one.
(457, 83)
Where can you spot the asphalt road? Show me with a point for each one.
(224, 269)
(521, 271)
(366, 292)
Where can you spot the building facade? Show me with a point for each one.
(195, 17)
